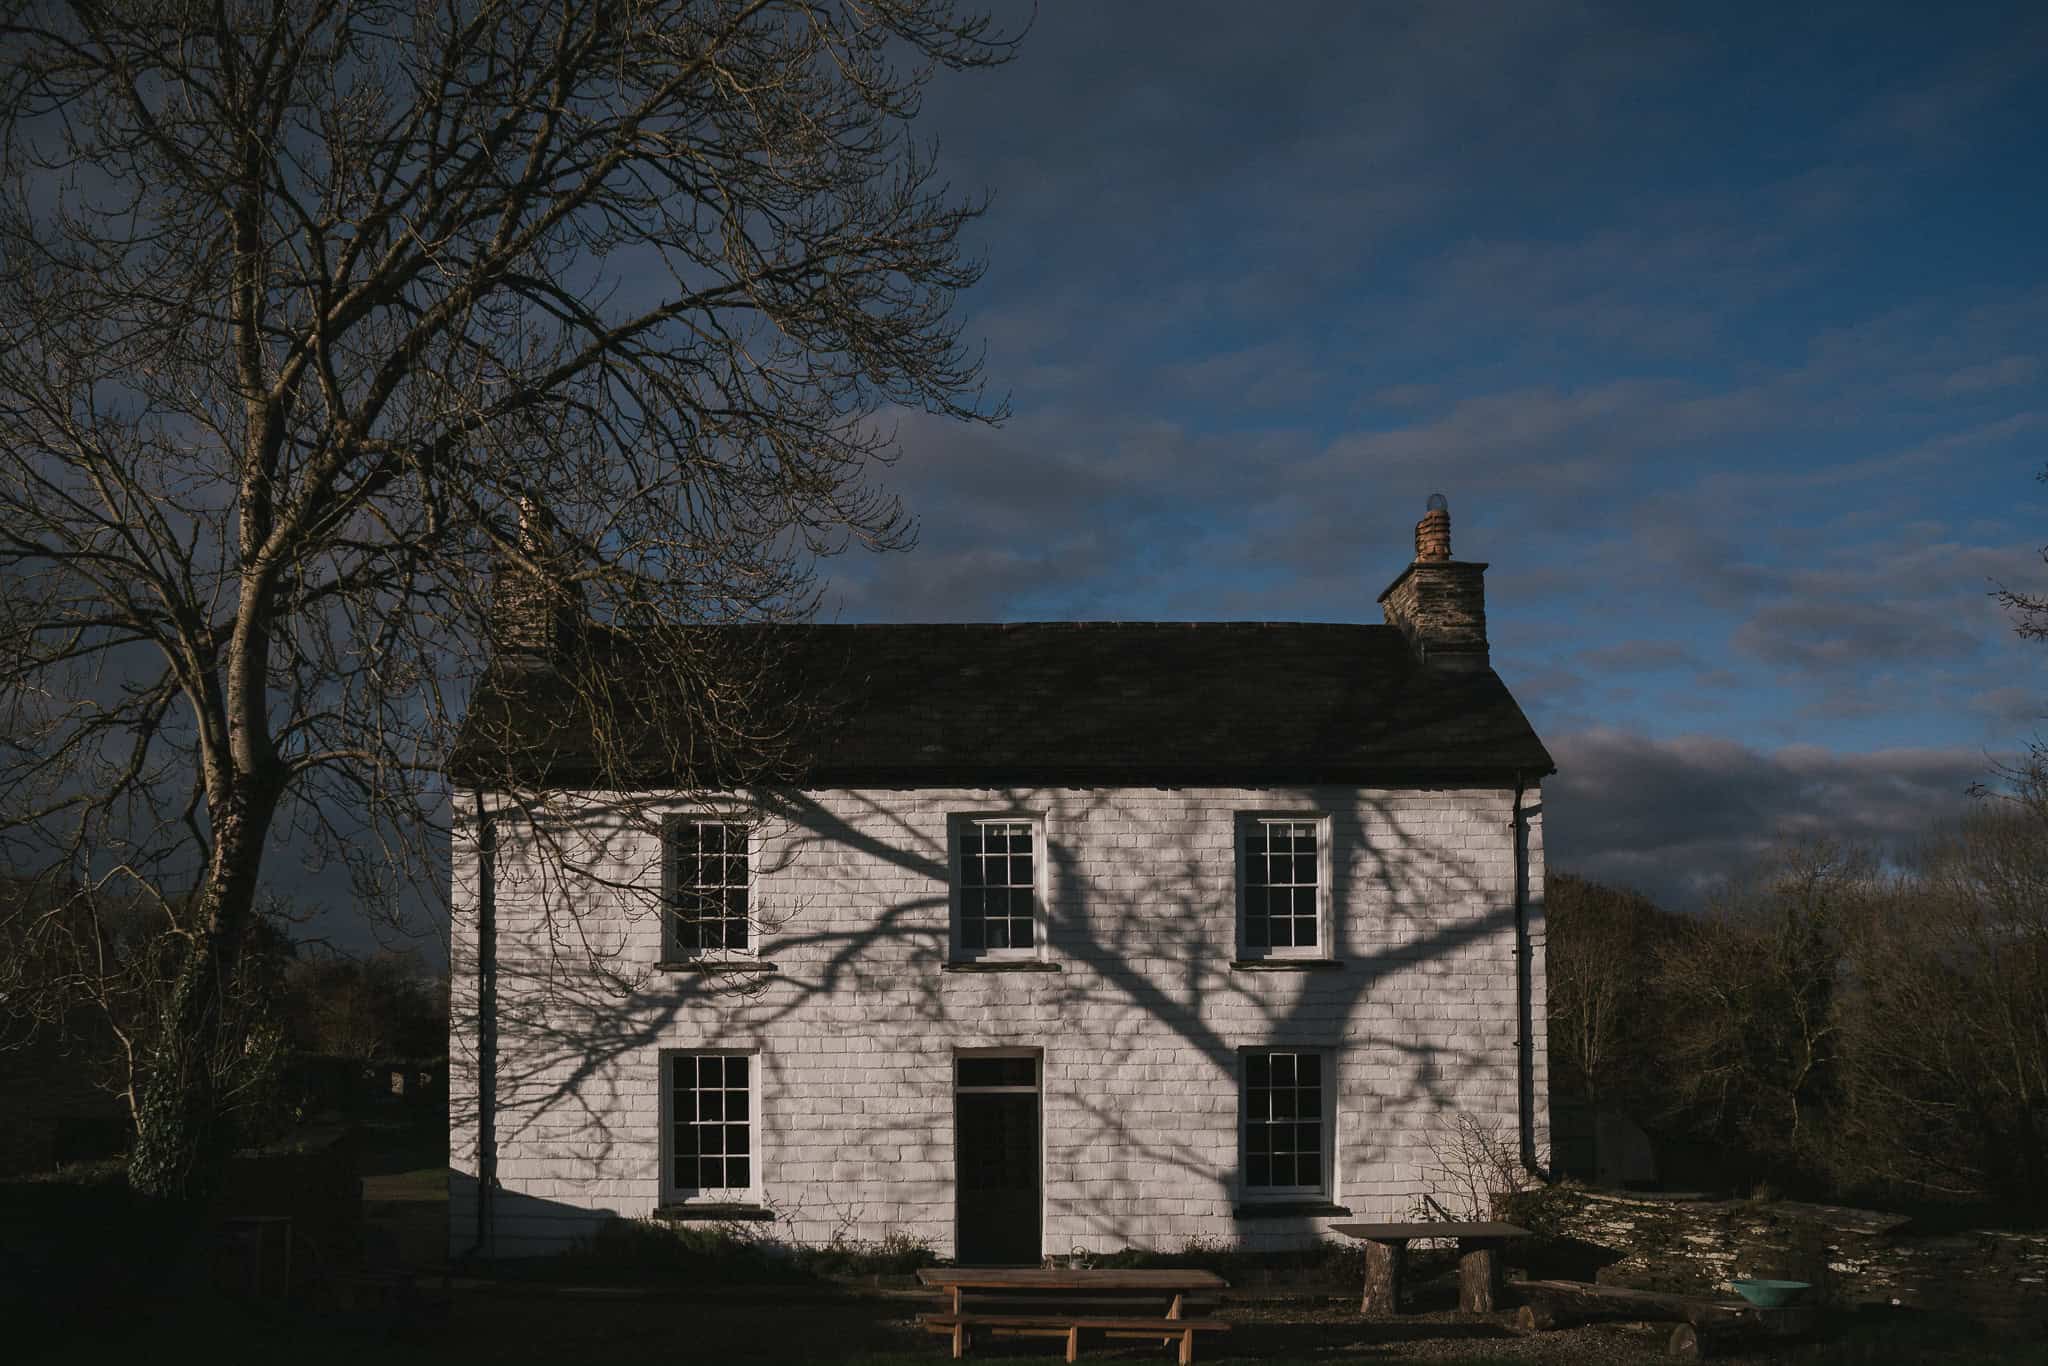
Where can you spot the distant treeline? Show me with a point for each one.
(1835, 1025)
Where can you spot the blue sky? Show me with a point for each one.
(1722, 328)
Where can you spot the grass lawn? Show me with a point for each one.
(506, 1323)
(877, 1328)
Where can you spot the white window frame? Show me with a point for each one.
(675, 1193)
(1326, 1189)
(957, 825)
(671, 941)
(1247, 821)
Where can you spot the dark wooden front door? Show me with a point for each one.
(997, 1155)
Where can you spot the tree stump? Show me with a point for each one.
(1479, 1283)
(1386, 1274)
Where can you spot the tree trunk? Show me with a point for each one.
(1386, 1265)
(1479, 1278)
(181, 1138)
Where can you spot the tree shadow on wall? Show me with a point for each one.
(1419, 903)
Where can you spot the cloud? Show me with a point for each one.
(1675, 817)
(1828, 635)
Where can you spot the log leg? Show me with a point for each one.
(959, 1340)
(1706, 1339)
(1479, 1284)
(1187, 1347)
(1073, 1343)
(1386, 1268)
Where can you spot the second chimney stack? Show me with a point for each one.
(1438, 603)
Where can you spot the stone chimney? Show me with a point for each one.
(533, 617)
(1440, 603)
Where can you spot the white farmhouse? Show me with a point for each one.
(1076, 936)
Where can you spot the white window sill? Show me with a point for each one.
(1286, 965)
(1001, 965)
(707, 1211)
(715, 965)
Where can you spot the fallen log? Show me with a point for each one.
(1560, 1304)
(1717, 1338)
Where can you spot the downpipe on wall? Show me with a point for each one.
(1525, 1010)
(487, 1024)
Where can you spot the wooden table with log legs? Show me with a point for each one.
(1386, 1261)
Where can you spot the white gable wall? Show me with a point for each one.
(1140, 1030)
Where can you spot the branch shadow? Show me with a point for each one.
(1142, 1027)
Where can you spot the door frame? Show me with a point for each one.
(953, 1090)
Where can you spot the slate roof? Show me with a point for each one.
(1085, 704)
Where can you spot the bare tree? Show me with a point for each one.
(313, 313)
(1947, 1030)
(1600, 958)
(1753, 1033)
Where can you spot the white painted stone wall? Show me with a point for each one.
(857, 1030)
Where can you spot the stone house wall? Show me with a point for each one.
(1139, 1024)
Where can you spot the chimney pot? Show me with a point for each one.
(1433, 532)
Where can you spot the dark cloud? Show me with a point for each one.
(1826, 635)
(1676, 817)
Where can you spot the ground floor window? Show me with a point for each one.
(1286, 1124)
(711, 1126)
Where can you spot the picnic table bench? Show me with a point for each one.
(1041, 1302)
(1386, 1261)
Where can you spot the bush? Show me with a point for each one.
(641, 1251)
(896, 1254)
(1326, 1261)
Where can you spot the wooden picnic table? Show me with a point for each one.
(1386, 1261)
(1066, 1302)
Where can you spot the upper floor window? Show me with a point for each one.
(709, 878)
(1283, 885)
(998, 869)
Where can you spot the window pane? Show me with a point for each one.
(998, 1071)
(1283, 1130)
(712, 1133)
